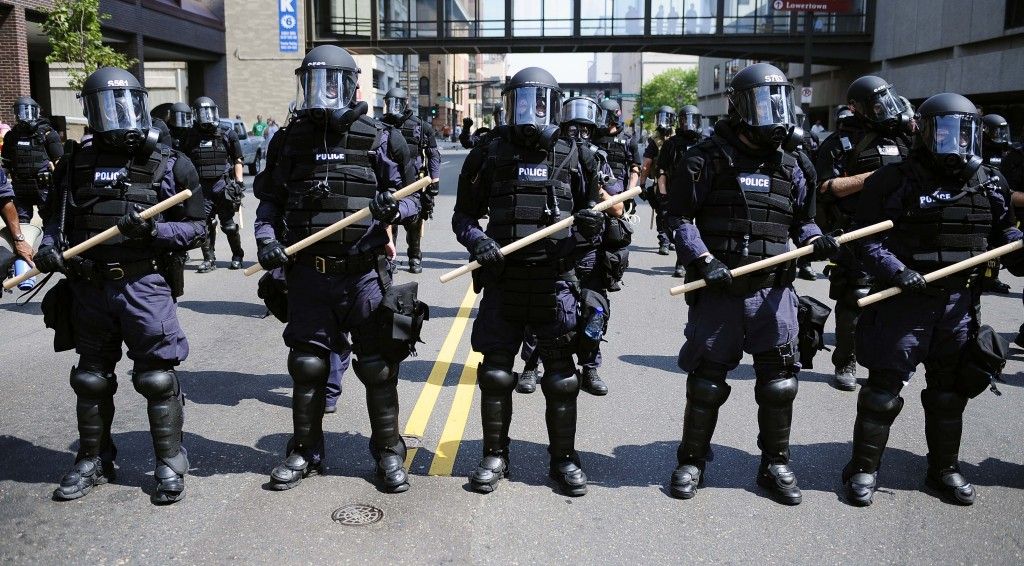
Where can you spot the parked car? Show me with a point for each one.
(252, 146)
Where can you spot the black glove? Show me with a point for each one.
(134, 227)
(271, 254)
(49, 260)
(713, 272)
(433, 189)
(426, 205)
(825, 247)
(910, 280)
(235, 191)
(589, 223)
(467, 123)
(384, 208)
(487, 252)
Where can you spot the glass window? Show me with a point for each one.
(349, 17)
(533, 18)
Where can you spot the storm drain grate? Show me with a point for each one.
(357, 514)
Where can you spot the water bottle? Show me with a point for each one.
(595, 326)
(21, 266)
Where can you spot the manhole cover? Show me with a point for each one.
(357, 514)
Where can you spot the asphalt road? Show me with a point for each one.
(238, 420)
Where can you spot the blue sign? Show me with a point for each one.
(288, 26)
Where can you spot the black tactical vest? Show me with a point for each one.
(29, 158)
(326, 184)
(531, 189)
(942, 226)
(209, 153)
(413, 133)
(881, 150)
(618, 155)
(106, 186)
(748, 213)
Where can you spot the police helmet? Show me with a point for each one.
(761, 99)
(396, 101)
(950, 131)
(533, 101)
(327, 79)
(116, 107)
(996, 130)
(205, 113)
(26, 109)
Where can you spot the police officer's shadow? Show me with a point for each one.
(248, 309)
(439, 260)
(230, 388)
(742, 373)
(30, 463)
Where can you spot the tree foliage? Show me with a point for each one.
(674, 87)
(73, 28)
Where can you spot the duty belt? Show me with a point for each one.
(339, 265)
(116, 271)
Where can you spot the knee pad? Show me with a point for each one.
(495, 372)
(776, 359)
(942, 402)
(229, 227)
(560, 385)
(307, 368)
(880, 404)
(372, 369)
(707, 392)
(156, 383)
(93, 383)
(778, 390)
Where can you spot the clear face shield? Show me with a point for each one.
(884, 106)
(999, 135)
(952, 136)
(179, 119)
(665, 120)
(580, 111)
(607, 118)
(766, 105)
(539, 106)
(330, 89)
(689, 123)
(207, 115)
(117, 109)
(394, 105)
(26, 112)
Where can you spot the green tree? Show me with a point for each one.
(73, 28)
(674, 87)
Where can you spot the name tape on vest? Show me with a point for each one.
(533, 172)
(888, 150)
(754, 182)
(206, 143)
(938, 198)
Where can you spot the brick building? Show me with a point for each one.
(187, 38)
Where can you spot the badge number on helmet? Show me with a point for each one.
(754, 183)
(533, 172)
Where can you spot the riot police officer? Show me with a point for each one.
(419, 136)
(664, 122)
(30, 151)
(875, 135)
(124, 290)
(329, 162)
(946, 206)
(528, 178)
(217, 155)
(744, 199)
(179, 121)
(686, 135)
(995, 144)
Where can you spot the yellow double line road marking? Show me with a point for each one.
(417, 424)
(451, 437)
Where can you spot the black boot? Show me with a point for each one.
(568, 473)
(680, 271)
(170, 478)
(527, 381)
(165, 406)
(663, 248)
(496, 384)
(778, 478)
(415, 265)
(237, 253)
(209, 261)
(390, 469)
(943, 429)
(299, 464)
(386, 445)
(860, 486)
(87, 473)
(592, 382)
(706, 392)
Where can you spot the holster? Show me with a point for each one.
(811, 317)
(401, 316)
(981, 363)
(273, 289)
(172, 266)
(57, 306)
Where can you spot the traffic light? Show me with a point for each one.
(434, 111)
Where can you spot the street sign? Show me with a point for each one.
(806, 94)
(287, 26)
(833, 6)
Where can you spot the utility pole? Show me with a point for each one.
(808, 50)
